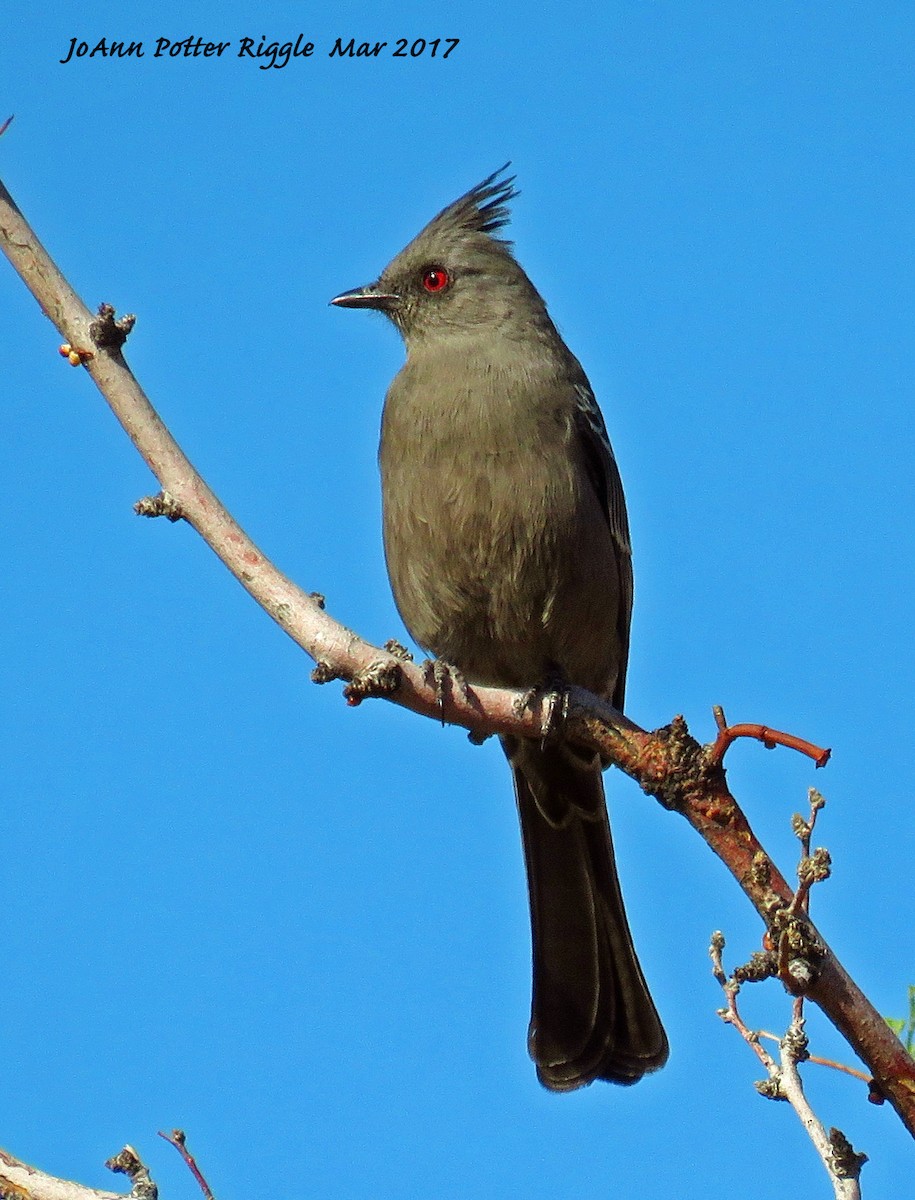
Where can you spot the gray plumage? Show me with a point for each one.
(507, 545)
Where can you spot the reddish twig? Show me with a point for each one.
(178, 1139)
(823, 1062)
(770, 738)
(5, 126)
(731, 1014)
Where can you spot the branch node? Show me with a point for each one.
(318, 598)
(771, 1088)
(681, 770)
(795, 1042)
(760, 872)
(762, 965)
(324, 672)
(802, 975)
(163, 504)
(846, 1161)
(801, 828)
(106, 332)
(817, 801)
(814, 868)
(129, 1163)
(799, 952)
(75, 355)
(400, 652)
(380, 678)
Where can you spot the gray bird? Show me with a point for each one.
(507, 545)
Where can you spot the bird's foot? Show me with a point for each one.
(553, 696)
(394, 647)
(444, 677)
(379, 678)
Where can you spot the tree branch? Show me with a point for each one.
(667, 763)
(18, 1181)
(841, 1162)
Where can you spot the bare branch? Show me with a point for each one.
(18, 1181)
(178, 1139)
(770, 738)
(783, 1081)
(842, 1164)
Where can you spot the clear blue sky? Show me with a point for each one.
(300, 931)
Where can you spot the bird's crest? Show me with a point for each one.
(484, 209)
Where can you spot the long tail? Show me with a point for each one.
(592, 1016)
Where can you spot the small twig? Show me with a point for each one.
(823, 1062)
(804, 829)
(731, 1014)
(842, 1163)
(770, 738)
(5, 126)
(178, 1139)
(783, 1082)
(799, 950)
(812, 868)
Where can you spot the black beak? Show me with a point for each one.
(372, 296)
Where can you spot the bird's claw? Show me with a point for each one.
(401, 652)
(555, 711)
(324, 672)
(553, 695)
(379, 678)
(444, 677)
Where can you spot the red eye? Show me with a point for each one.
(436, 279)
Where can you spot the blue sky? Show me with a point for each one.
(300, 931)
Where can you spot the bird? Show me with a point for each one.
(506, 539)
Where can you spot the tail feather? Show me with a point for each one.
(592, 1016)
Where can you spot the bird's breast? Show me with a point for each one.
(494, 542)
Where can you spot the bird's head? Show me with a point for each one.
(456, 275)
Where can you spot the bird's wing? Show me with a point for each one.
(605, 478)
